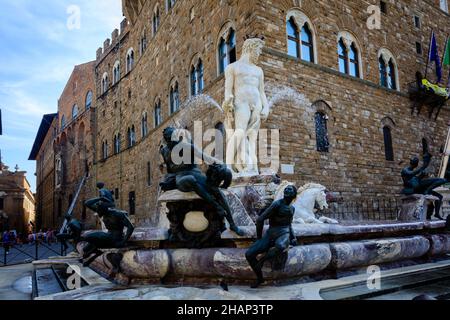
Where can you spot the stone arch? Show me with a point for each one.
(388, 121)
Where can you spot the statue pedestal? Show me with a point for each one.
(193, 223)
(445, 191)
(415, 207)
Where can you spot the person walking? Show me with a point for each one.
(6, 241)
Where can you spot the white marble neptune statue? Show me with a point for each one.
(245, 105)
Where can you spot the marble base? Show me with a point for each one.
(204, 266)
(415, 207)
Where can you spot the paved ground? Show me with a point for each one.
(15, 282)
(27, 252)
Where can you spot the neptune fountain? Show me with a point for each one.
(206, 222)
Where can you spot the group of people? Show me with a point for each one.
(11, 238)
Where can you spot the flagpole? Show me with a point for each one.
(446, 157)
(429, 52)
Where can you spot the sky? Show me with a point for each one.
(40, 43)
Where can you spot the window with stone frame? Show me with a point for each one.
(156, 20)
(105, 150)
(170, 4)
(143, 43)
(144, 125)
(130, 60)
(131, 134)
(300, 41)
(197, 82)
(105, 83)
(116, 72)
(387, 69)
(63, 122)
(174, 98)
(2, 204)
(132, 203)
(322, 141)
(74, 111)
(388, 146)
(348, 56)
(89, 97)
(443, 4)
(157, 114)
(227, 50)
(149, 174)
(117, 143)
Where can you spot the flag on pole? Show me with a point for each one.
(434, 57)
(446, 59)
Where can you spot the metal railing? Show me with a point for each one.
(20, 253)
(383, 209)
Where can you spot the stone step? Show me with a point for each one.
(46, 283)
(389, 285)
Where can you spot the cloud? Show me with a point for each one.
(37, 56)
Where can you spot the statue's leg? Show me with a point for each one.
(260, 246)
(281, 244)
(438, 204)
(253, 131)
(97, 253)
(236, 148)
(431, 184)
(190, 184)
(228, 215)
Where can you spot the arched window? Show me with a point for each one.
(117, 146)
(89, 97)
(116, 72)
(227, 51)
(300, 44)
(157, 114)
(343, 57)
(105, 150)
(300, 36)
(388, 69)
(143, 43)
(197, 83)
(105, 83)
(63, 122)
(130, 60)
(170, 4)
(144, 125)
(349, 55)
(131, 137)
(74, 112)
(388, 148)
(174, 98)
(321, 132)
(156, 20)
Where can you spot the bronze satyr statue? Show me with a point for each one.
(415, 182)
(115, 222)
(105, 193)
(72, 231)
(187, 177)
(277, 239)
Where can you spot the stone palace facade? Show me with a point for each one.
(353, 132)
